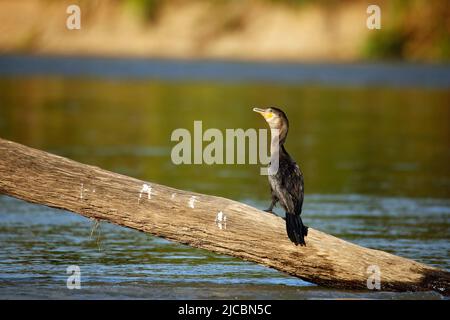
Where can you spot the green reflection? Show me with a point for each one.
(347, 140)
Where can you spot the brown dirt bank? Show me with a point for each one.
(245, 29)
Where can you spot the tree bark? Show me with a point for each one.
(194, 219)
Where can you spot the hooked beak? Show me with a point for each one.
(262, 111)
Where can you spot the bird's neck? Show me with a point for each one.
(278, 137)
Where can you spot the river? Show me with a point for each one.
(373, 142)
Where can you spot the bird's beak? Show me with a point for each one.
(266, 114)
(262, 111)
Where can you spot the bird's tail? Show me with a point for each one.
(295, 228)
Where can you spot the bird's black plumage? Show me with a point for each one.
(286, 185)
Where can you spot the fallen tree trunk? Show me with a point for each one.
(208, 222)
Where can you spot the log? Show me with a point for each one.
(203, 221)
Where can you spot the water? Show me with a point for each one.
(375, 160)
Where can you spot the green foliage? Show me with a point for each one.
(304, 2)
(443, 46)
(411, 30)
(387, 44)
(147, 9)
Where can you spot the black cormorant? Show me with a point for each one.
(286, 185)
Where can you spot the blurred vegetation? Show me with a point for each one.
(412, 29)
(328, 3)
(147, 9)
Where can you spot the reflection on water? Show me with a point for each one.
(375, 162)
(365, 141)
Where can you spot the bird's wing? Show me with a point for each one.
(295, 188)
(290, 190)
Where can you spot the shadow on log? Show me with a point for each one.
(212, 223)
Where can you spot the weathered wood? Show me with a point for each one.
(249, 233)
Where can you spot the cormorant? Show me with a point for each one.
(286, 185)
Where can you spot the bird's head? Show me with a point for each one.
(275, 117)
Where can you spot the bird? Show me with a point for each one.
(287, 183)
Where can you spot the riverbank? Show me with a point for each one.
(258, 30)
